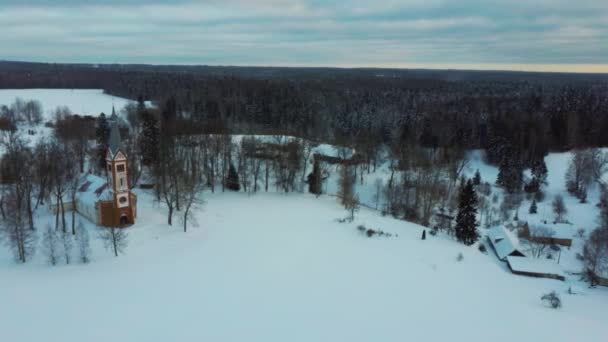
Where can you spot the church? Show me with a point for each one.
(107, 202)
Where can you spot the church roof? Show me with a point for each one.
(115, 142)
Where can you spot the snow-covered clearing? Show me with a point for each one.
(275, 267)
(80, 101)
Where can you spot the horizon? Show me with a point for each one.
(535, 36)
(522, 68)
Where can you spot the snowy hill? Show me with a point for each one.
(276, 267)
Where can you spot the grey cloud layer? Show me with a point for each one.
(273, 32)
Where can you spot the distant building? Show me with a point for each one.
(550, 234)
(107, 202)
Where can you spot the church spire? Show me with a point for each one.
(113, 117)
(115, 142)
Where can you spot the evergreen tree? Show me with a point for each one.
(466, 220)
(510, 173)
(102, 135)
(314, 179)
(533, 208)
(149, 141)
(232, 179)
(539, 170)
(477, 178)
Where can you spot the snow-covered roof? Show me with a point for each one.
(503, 242)
(532, 265)
(560, 230)
(92, 189)
(115, 142)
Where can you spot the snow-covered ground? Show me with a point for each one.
(80, 101)
(275, 267)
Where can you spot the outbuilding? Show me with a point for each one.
(503, 243)
(539, 268)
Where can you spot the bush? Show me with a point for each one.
(361, 228)
(580, 233)
(460, 257)
(482, 248)
(370, 232)
(433, 231)
(552, 299)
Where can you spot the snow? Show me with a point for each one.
(278, 267)
(275, 267)
(80, 101)
(559, 230)
(532, 265)
(502, 241)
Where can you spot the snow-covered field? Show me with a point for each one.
(80, 101)
(277, 267)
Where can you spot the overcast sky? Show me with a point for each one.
(516, 34)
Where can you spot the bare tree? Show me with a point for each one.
(82, 238)
(595, 253)
(114, 238)
(346, 184)
(21, 238)
(535, 237)
(66, 243)
(580, 173)
(379, 186)
(50, 245)
(191, 182)
(559, 208)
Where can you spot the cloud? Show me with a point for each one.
(308, 32)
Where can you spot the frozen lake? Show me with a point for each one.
(80, 101)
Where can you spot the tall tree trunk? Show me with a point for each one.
(114, 243)
(57, 213)
(63, 225)
(170, 216)
(73, 219)
(30, 211)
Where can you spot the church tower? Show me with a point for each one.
(124, 211)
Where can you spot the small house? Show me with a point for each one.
(503, 243)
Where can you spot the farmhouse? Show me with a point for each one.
(106, 202)
(539, 268)
(503, 243)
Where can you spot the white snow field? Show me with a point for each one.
(275, 267)
(80, 101)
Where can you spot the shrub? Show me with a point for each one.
(361, 228)
(433, 231)
(552, 299)
(460, 257)
(370, 232)
(482, 248)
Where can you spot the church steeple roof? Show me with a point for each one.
(114, 116)
(115, 142)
